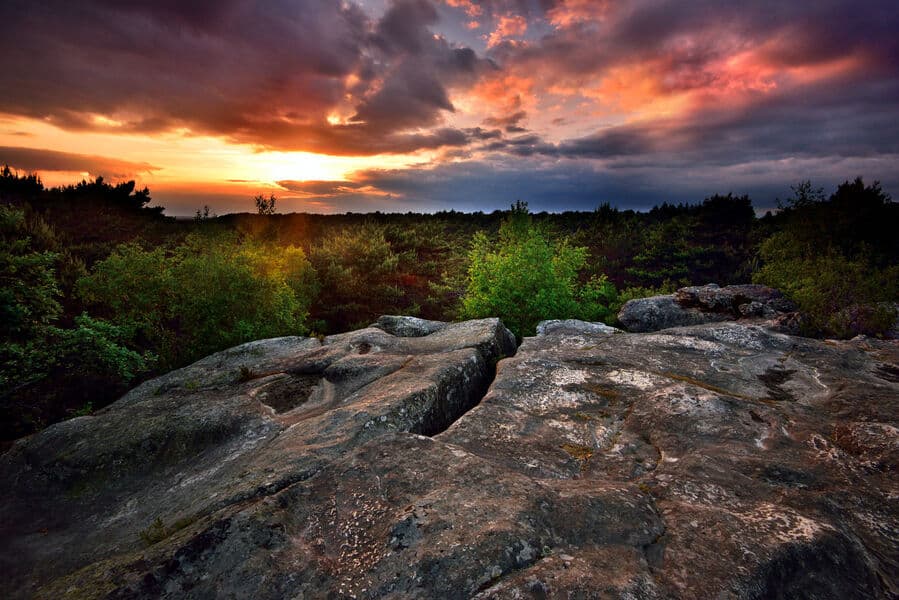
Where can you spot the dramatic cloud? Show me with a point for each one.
(581, 92)
(319, 76)
(31, 159)
(584, 185)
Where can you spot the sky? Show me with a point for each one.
(424, 105)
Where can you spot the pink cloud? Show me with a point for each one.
(508, 26)
(569, 12)
(470, 8)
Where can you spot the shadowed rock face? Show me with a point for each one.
(716, 461)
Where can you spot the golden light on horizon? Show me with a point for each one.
(173, 159)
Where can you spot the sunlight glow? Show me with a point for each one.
(178, 160)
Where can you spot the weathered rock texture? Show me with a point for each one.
(703, 304)
(716, 461)
(197, 446)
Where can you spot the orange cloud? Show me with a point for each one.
(507, 27)
(569, 12)
(505, 94)
(470, 8)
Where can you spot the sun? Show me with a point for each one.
(299, 166)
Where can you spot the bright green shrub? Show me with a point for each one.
(526, 278)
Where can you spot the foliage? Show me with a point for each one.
(708, 242)
(154, 533)
(836, 258)
(14, 185)
(839, 296)
(265, 206)
(99, 289)
(95, 348)
(526, 278)
(358, 274)
(46, 369)
(666, 254)
(28, 288)
(202, 296)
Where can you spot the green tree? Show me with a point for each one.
(836, 258)
(205, 295)
(29, 291)
(47, 370)
(525, 278)
(358, 273)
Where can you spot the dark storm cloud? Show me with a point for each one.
(480, 186)
(213, 68)
(265, 73)
(403, 28)
(854, 122)
(35, 159)
(770, 80)
(769, 86)
(577, 185)
(421, 68)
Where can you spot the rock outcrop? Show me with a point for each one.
(703, 304)
(191, 449)
(721, 460)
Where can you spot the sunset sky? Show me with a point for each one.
(422, 105)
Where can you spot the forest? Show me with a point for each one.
(100, 290)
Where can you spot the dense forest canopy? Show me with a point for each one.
(101, 290)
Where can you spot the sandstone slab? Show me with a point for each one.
(721, 460)
(769, 461)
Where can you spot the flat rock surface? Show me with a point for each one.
(714, 461)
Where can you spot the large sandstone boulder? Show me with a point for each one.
(703, 304)
(181, 452)
(662, 312)
(574, 326)
(734, 299)
(716, 461)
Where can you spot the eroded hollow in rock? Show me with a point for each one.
(774, 380)
(288, 391)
